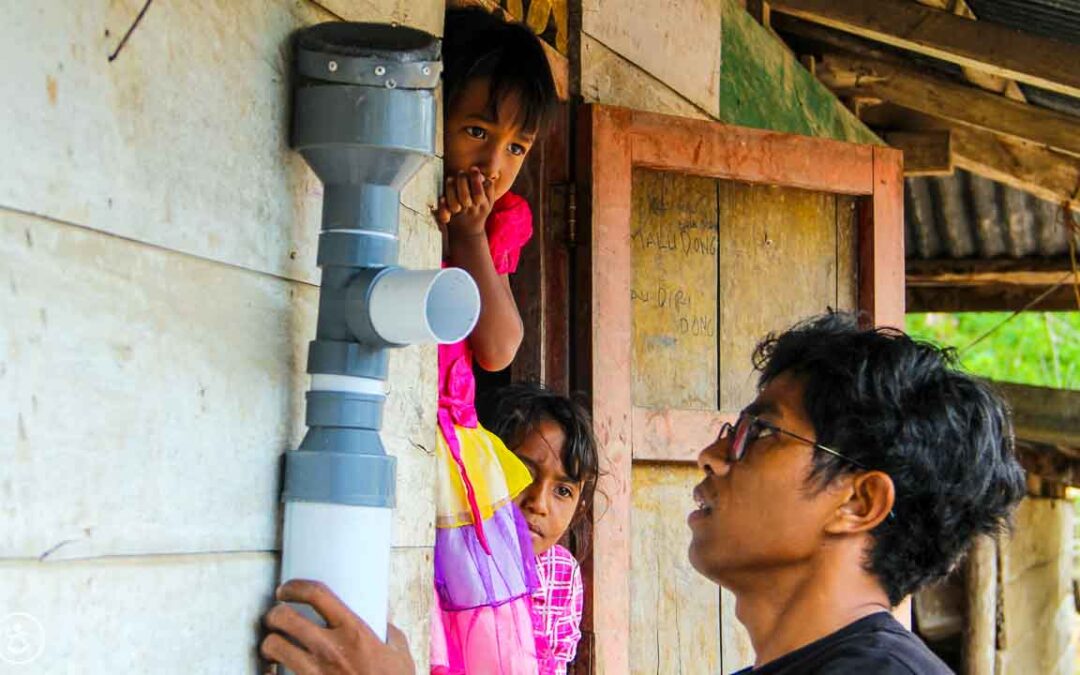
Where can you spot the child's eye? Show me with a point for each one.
(518, 149)
(476, 132)
(564, 491)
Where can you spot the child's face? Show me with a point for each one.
(551, 500)
(473, 137)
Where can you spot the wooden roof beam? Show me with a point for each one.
(1002, 51)
(854, 76)
(1033, 168)
(989, 298)
(1044, 415)
(967, 272)
(926, 153)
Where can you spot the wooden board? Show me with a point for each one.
(656, 42)
(614, 141)
(778, 252)
(150, 395)
(164, 614)
(674, 245)
(999, 50)
(764, 86)
(940, 97)
(1037, 609)
(143, 615)
(608, 78)
(180, 141)
(675, 612)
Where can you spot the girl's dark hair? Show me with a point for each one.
(480, 44)
(518, 408)
(901, 406)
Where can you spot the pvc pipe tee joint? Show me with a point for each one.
(364, 119)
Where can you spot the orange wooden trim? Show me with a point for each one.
(737, 153)
(881, 243)
(610, 169)
(675, 435)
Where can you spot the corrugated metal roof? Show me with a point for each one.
(967, 216)
(1058, 19)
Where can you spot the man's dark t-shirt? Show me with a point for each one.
(874, 644)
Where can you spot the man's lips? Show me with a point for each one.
(704, 505)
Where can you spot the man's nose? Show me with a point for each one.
(713, 459)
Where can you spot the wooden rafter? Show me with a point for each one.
(996, 49)
(1024, 272)
(854, 76)
(1033, 168)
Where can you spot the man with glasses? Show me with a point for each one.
(862, 471)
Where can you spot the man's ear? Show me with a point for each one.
(869, 500)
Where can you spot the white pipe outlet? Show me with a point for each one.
(423, 306)
(345, 547)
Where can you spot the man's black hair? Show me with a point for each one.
(519, 408)
(479, 44)
(900, 406)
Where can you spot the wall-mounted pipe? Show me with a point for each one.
(364, 119)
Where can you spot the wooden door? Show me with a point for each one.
(695, 239)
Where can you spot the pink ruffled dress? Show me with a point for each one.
(485, 572)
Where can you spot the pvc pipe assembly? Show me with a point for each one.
(364, 120)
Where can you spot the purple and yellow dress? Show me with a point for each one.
(485, 570)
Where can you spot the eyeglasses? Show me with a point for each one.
(748, 428)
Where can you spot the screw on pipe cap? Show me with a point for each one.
(371, 54)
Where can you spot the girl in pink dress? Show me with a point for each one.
(553, 436)
(499, 94)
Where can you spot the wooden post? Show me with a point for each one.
(980, 638)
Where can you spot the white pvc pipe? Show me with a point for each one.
(355, 385)
(414, 306)
(345, 547)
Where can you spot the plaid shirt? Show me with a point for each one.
(557, 604)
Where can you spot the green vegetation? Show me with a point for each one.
(1036, 348)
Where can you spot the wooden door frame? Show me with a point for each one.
(611, 142)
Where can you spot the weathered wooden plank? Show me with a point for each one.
(95, 615)
(993, 48)
(143, 615)
(673, 242)
(121, 360)
(607, 172)
(425, 14)
(1042, 414)
(1048, 174)
(926, 153)
(981, 588)
(765, 87)
(708, 149)
(786, 236)
(608, 78)
(675, 435)
(847, 253)
(881, 244)
(991, 298)
(675, 621)
(656, 42)
(947, 271)
(1038, 611)
(180, 141)
(934, 95)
